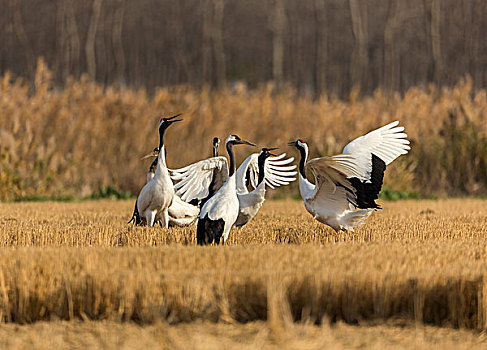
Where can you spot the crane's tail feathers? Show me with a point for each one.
(352, 219)
(135, 217)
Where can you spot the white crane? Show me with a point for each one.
(347, 185)
(199, 181)
(276, 173)
(219, 213)
(180, 212)
(157, 195)
(202, 179)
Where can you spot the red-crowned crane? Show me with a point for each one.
(347, 185)
(220, 212)
(157, 195)
(180, 212)
(201, 180)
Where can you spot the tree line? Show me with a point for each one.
(315, 46)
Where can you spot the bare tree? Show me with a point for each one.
(391, 59)
(206, 43)
(19, 30)
(118, 42)
(90, 39)
(217, 30)
(315, 45)
(320, 56)
(67, 40)
(360, 60)
(436, 39)
(278, 21)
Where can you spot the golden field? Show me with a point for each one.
(253, 335)
(69, 142)
(76, 273)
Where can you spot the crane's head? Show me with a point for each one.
(154, 153)
(300, 145)
(216, 144)
(266, 152)
(164, 123)
(235, 140)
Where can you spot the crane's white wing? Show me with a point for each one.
(333, 191)
(248, 166)
(387, 143)
(180, 209)
(194, 181)
(277, 170)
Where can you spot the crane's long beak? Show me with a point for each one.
(272, 149)
(149, 155)
(291, 143)
(243, 142)
(175, 116)
(171, 120)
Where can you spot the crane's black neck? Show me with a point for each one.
(261, 164)
(162, 131)
(232, 159)
(215, 151)
(302, 161)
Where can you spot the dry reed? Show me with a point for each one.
(70, 142)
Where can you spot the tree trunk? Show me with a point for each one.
(391, 59)
(61, 40)
(360, 58)
(22, 36)
(278, 22)
(90, 40)
(118, 52)
(206, 44)
(436, 40)
(73, 40)
(218, 42)
(320, 60)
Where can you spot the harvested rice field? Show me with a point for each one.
(77, 273)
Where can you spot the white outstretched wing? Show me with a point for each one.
(333, 192)
(248, 166)
(194, 181)
(387, 143)
(278, 172)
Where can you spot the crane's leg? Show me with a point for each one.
(226, 233)
(165, 218)
(150, 216)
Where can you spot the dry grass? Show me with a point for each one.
(70, 142)
(254, 335)
(103, 224)
(422, 262)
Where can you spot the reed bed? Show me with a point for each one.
(75, 140)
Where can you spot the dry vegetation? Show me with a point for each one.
(253, 335)
(71, 141)
(419, 263)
